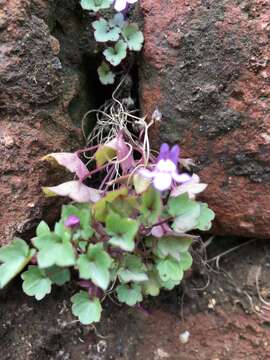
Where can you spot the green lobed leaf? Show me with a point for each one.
(180, 205)
(133, 37)
(95, 266)
(83, 212)
(188, 221)
(151, 206)
(86, 309)
(170, 269)
(62, 231)
(132, 269)
(124, 205)
(152, 285)
(114, 55)
(185, 261)
(100, 208)
(173, 246)
(106, 76)
(129, 294)
(42, 229)
(205, 218)
(169, 284)
(52, 251)
(122, 231)
(14, 257)
(104, 31)
(36, 283)
(58, 275)
(95, 5)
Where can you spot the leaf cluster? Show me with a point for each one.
(113, 249)
(117, 37)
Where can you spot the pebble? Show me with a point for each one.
(184, 337)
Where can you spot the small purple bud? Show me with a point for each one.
(72, 221)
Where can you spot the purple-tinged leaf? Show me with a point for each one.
(70, 161)
(124, 154)
(76, 190)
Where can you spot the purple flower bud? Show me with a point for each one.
(72, 221)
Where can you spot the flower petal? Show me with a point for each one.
(132, 1)
(181, 178)
(162, 181)
(146, 173)
(76, 190)
(174, 154)
(120, 5)
(163, 152)
(166, 166)
(191, 189)
(70, 161)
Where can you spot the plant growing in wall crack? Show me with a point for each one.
(117, 35)
(127, 238)
(125, 233)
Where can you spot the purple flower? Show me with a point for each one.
(72, 221)
(165, 171)
(121, 5)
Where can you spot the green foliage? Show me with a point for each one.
(151, 206)
(170, 269)
(106, 76)
(117, 30)
(14, 257)
(122, 231)
(111, 248)
(114, 55)
(133, 37)
(129, 294)
(82, 211)
(95, 265)
(87, 310)
(152, 285)
(105, 32)
(173, 246)
(36, 283)
(95, 5)
(132, 269)
(54, 250)
(58, 276)
(189, 214)
(206, 217)
(101, 208)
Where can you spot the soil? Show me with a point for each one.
(225, 320)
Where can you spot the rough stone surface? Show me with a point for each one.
(206, 65)
(42, 54)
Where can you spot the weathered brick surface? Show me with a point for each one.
(39, 82)
(206, 65)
